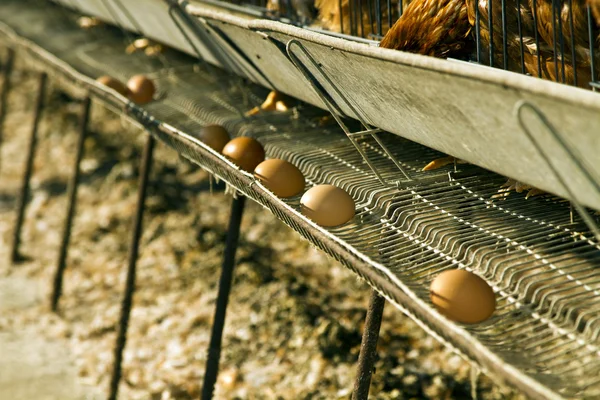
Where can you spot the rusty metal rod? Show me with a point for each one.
(6, 74)
(72, 200)
(24, 195)
(136, 233)
(368, 347)
(214, 348)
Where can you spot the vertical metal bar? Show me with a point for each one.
(214, 349)
(572, 37)
(520, 28)
(491, 30)
(562, 45)
(353, 19)
(341, 16)
(478, 32)
(24, 195)
(360, 18)
(504, 36)
(368, 347)
(378, 17)
(71, 204)
(554, 37)
(371, 17)
(6, 73)
(537, 39)
(389, 13)
(592, 38)
(136, 233)
(290, 12)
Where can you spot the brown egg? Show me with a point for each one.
(280, 177)
(114, 84)
(462, 296)
(214, 136)
(327, 205)
(141, 89)
(244, 151)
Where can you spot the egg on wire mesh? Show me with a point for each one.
(462, 296)
(327, 205)
(281, 177)
(214, 136)
(114, 84)
(245, 152)
(141, 89)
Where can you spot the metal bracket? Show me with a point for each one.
(243, 64)
(335, 110)
(222, 56)
(587, 218)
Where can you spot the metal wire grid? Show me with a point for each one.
(543, 267)
(543, 271)
(533, 327)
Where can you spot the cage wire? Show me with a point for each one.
(553, 40)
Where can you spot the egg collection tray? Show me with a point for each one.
(544, 338)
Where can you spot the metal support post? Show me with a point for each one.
(72, 200)
(24, 195)
(6, 74)
(131, 268)
(368, 347)
(214, 349)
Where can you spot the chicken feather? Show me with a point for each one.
(438, 28)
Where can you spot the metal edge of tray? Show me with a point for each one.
(374, 273)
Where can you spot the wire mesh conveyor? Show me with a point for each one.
(541, 260)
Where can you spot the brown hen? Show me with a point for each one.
(516, 13)
(595, 6)
(522, 51)
(572, 52)
(438, 28)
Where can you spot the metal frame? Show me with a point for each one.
(15, 254)
(61, 263)
(586, 172)
(6, 75)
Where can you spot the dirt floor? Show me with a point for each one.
(295, 317)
